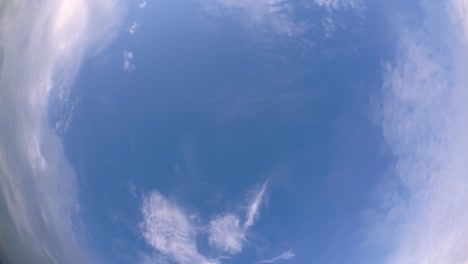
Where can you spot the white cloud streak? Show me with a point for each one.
(134, 28)
(424, 219)
(168, 230)
(286, 255)
(259, 15)
(329, 26)
(330, 23)
(143, 4)
(280, 16)
(340, 4)
(226, 232)
(42, 43)
(254, 207)
(127, 61)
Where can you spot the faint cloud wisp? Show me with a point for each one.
(286, 255)
(127, 61)
(168, 229)
(39, 206)
(421, 216)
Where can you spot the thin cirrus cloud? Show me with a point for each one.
(253, 208)
(134, 28)
(143, 4)
(329, 27)
(340, 4)
(167, 228)
(286, 255)
(169, 231)
(127, 61)
(422, 214)
(329, 23)
(281, 16)
(226, 231)
(264, 15)
(39, 205)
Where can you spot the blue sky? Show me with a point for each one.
(221, 131)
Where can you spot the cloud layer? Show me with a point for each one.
(286, 255)
(127, 61)
(168, 229)
(422, 215)
(340, 4)
(42, 44)
(227, 233)
(264, 15)
(286, 18)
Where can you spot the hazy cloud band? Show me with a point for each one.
(42, 44)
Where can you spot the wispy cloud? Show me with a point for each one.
(143, 4)
(134, 28)
(262, 15)
(340, 4)
(286, 17)
(127, 61)
(38, 190)
(227, 233)
(254, 207)
(168, 229)
(423, 217)
(330, 24)
(286, 255)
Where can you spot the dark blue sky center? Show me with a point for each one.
(207, 114)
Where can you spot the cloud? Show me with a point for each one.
(171, 233)
(143, 4)
(227, 233)
(39, 208)
(286, 255)
(253, 209)
(288, 18)
(262, 15)
(134, 28)
(329, 26)
(422, 215)
(332, 22)
(340, 4)
(168, 229)
(127, 61)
